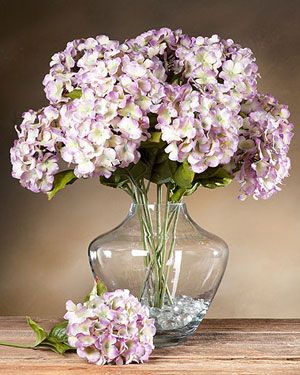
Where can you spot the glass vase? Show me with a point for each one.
(166, 260)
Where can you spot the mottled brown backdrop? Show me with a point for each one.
(43, 254)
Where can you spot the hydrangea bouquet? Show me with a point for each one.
(182, 111)
(165, 108)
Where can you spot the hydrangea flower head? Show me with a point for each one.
(263, 146)
(113, 328)
(200, 93)
(33, 156)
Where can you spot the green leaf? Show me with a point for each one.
(219, 172)
(137, 171)
(40, 333)
(75, 94)
(163, 172)
(152, 120)
(176, 78)
(116, 180)
(184, 175)
(178, 194)
(56, 340)
(161, 157)
(99, 289)
(215, 183)
(59, 331)
(155, 137)
(160, 168)
(213, 178)
(40, 336)
(154, 141)
(56, 345)
(122, 176)
(192, 189)
(61, 179)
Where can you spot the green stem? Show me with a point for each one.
(162, 280)
(158, 207)
(155, 241)
(148, 186)
(146, 229)
(171, 251)
(13, 345)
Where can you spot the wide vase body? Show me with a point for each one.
(166, 260)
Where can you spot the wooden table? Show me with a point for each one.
(230, 346)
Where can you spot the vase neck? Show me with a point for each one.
(158, 207)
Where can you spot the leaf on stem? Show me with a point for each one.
(154, 141)
(101, 288)
(56, 345)
(40, 333)
(59, 331)
(61, 179)
(152, 120)
(75, 94)
(98, 290)
(214, 177)
(121, 177)
(184, 175)
(162, 172)
(56, 340)
(177, 195)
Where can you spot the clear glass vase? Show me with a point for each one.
(166, 260)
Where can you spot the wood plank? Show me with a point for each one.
(208, 367)
(284, 325)
(230, 346)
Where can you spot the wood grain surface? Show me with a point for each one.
(230, 346)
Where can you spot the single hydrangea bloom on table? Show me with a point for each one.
(113, 328)
(108, 328)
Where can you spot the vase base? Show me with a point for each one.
(183, 312)
(165, 342)
(167, 338)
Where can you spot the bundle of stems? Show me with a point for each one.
(158, 238)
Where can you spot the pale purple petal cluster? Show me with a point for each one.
(217, 65)
(101, 134)
(33, 156)
(204, 82)
(208, 64)
(199, 128)
(104, 127)
(106, 98)
(88, 62)
(114, 329)
(263, 147)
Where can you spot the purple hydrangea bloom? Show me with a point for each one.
(104, 96)
(263, 146)
(33, 156)
(198, 128)
(114, 328)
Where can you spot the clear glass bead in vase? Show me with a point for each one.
(166, 260)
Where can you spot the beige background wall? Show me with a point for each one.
(43, 254)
